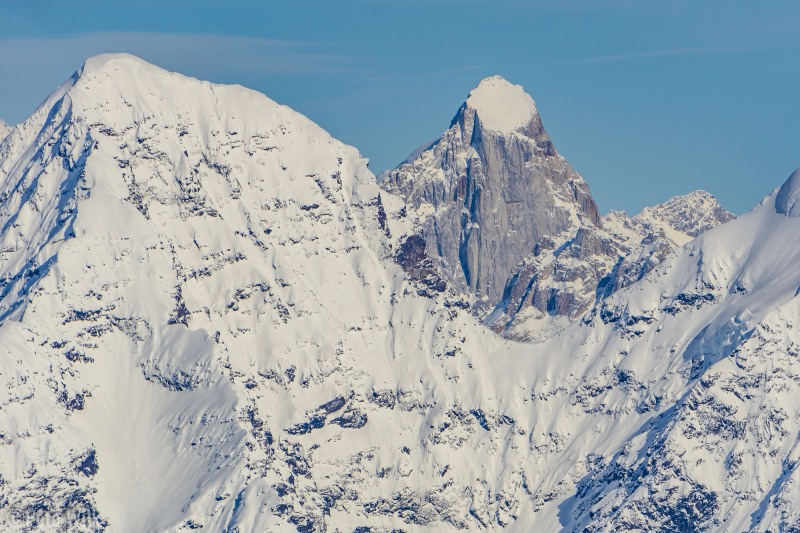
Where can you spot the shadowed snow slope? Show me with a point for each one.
(203, 324)
(787, 202)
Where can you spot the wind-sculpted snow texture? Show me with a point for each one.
(213, 317)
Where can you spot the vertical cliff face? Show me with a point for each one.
(489, 189)
(509, 223)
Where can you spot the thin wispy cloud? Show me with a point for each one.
(466, 70)
(681, 52)
(224, 52)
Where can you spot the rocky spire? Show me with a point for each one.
(490, 188)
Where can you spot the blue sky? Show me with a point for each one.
(646, 99)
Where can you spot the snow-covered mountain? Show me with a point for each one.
(506, 220)
(180, 259)
(212, 317)
(691, 214)
(723, 314)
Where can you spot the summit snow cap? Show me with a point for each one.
(114, 61)
(787, 202)
(500, 105)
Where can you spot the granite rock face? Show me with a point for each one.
(564, 278)
(512, 226)
(485, 197)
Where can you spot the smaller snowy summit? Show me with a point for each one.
(787, 201)
(690, 214)
(500, 105)
(4, 129)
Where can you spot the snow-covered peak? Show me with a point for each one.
(112, 75)
(121, 91)
(486, 191)
(107, 79)
(787, 202)
(690, 214)
(112, 62)
(500, 105)
(171, 189)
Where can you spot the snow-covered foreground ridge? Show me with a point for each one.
(203, 325)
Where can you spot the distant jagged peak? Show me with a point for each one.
(690, 214)
(501, 105)
(787, 201)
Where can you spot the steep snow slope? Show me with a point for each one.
(168, 247)
(204, 324)
(4, 129)
(721, 452)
